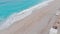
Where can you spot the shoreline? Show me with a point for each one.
(22, 14)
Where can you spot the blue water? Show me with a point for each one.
(8, 7)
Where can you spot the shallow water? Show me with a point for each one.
(8, 7)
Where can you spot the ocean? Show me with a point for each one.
(8, 7)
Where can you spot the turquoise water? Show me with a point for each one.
(8, 7)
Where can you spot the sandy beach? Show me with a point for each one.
(36, 23)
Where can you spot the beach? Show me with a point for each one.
(22, 14)
(36, 22)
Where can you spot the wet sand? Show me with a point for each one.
(36, 23)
